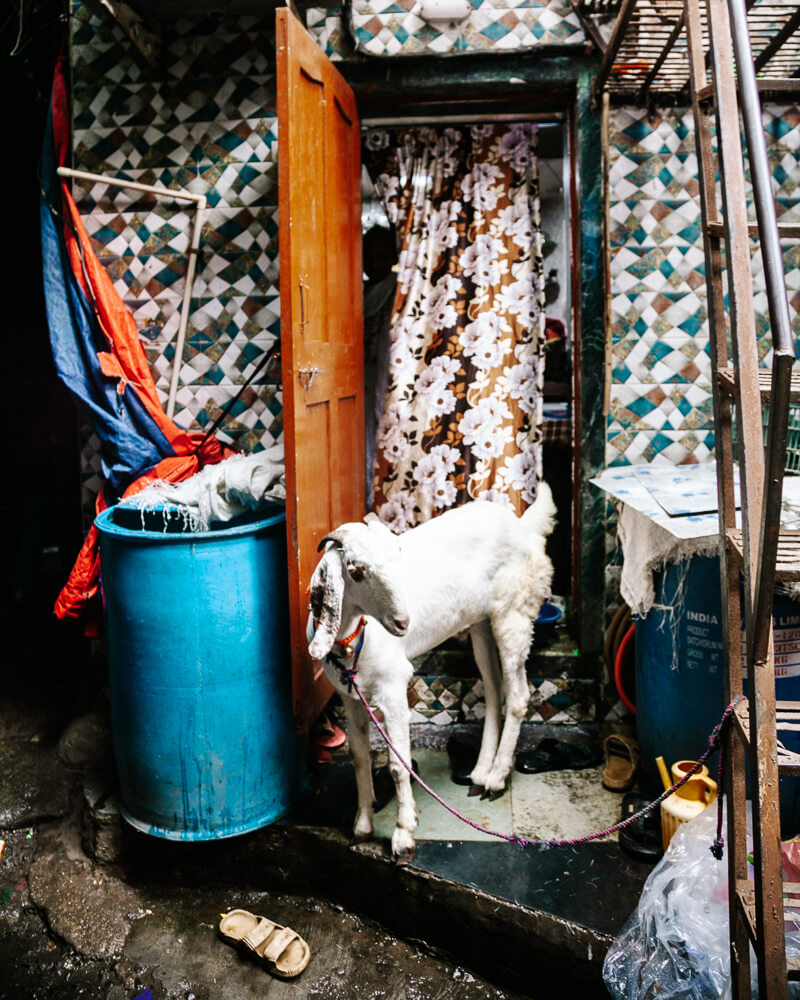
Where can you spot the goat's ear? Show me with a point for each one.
(372, 516)
(326, 593)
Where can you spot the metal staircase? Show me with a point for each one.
(717, 41)
(722, 46)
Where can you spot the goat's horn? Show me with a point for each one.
(329, 538)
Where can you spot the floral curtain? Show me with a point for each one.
(462, 418)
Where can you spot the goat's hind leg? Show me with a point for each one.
(485, 651)
(358, 738)
(513, 635)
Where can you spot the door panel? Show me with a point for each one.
(319, 185)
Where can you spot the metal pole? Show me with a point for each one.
(194, 246)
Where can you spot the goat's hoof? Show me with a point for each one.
(404, 857)
(476, 790)
(361, 838)
(492, 795)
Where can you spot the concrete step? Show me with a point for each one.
(530, 920)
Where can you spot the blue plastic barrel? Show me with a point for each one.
(199, 675)
(680, 671)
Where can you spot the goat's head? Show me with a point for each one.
(361, 562)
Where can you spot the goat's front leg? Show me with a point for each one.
(358, 738)
(485, 651)
(393, 702)
(513, 635)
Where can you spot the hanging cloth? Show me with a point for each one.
(463, 410)
(100, 359)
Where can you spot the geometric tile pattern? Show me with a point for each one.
(327, 25)
(660, 392)
(395, 27)
(444, 700)
(205, 124)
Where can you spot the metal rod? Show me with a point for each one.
(780, 323)
(762, 184)
(199, 201)
(84, 175)
(758, 612)
(187, 299)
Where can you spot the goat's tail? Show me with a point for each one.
(540, 517)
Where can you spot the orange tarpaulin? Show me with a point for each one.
(100, 358)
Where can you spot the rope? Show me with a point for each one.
(713, 744)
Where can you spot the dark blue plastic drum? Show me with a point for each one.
(680, 672)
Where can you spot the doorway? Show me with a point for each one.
(555, 447)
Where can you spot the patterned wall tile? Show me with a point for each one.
(658, 308)
(163, 144)
(664, 406)
(203, 121)
(632, 447)
(667, 268)
(560, 700)
(653, 358)
(256, 417)
(328, 27)
(396, 27)
(648, 222)
(435, 699)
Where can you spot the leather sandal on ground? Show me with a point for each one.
(557, 755)
(279, 949)
(622, 756)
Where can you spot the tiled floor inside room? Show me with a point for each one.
(554, 805)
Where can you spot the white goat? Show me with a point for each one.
(475, 568)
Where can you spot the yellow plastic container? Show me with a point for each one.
(682, 767)
(689, 800)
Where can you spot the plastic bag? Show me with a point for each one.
(675, 944)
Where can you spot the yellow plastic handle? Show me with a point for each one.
(699, 788)
(662, 770)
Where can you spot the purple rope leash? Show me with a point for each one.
(713, 744)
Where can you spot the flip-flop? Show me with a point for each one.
(462, 749)
(642, 838)
(556, 755)
(279, 949)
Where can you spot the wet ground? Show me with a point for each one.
(75, 926)
(91, 908)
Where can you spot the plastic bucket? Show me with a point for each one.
(545, 625)
(200, 677)
(680, 681)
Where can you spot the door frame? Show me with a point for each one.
(409, 87)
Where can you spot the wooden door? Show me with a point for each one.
(319, 186)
